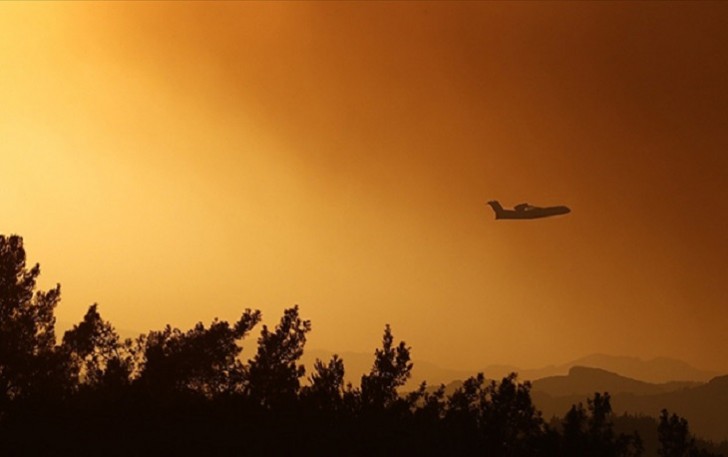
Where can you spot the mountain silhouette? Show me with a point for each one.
(704, 405)
(656, 370)
(585, 381)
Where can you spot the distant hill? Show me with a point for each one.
(584, 381)
(704, 405)
(657, 370)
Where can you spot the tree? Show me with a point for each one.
(96, 356)
(591, 432)
(326, 387)
(462, 415)
(392, 368)
(496, 418)
(675, 439)
(575, 438)
(27, 337)
(427, 404)
(273, 374)
(511, 424)
(600, 428)
(201, 360)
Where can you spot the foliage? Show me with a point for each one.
(591, 431)
(326, 389)
(201, 360)
(675, 438)
(498, 417)
(392, 368)
(95, 355)
(28, 363)
(274, 372)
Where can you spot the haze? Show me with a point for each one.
(180, 161)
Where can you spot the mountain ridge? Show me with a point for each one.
(654, 370)
(658, 370)
(704, 405)
(587, 380)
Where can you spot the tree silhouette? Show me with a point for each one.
(575, 438)
(512, 425)
(674, 437)
(202, 360)
(433, 403)
(273, 374)
(498, 418)
(326, 387)
(96, 356)
(392, 368)
(28, 361)
(462, 417)
(592, 433)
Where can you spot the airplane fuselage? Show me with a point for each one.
(534, 213)
(527, 212)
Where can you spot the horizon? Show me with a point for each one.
(180, 162)
(63, 326)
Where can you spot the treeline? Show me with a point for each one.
(649, 430)
(174, 392)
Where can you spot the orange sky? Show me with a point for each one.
(180, 161)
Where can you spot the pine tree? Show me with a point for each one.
(28, 362)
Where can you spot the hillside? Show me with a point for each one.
(704, 405)
(584, 381)
(657, 370)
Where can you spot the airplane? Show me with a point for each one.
(526, 211)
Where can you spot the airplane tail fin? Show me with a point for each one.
(496, 207)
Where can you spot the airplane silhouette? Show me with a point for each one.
(526, 211)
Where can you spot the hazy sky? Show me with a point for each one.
(180, 161)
